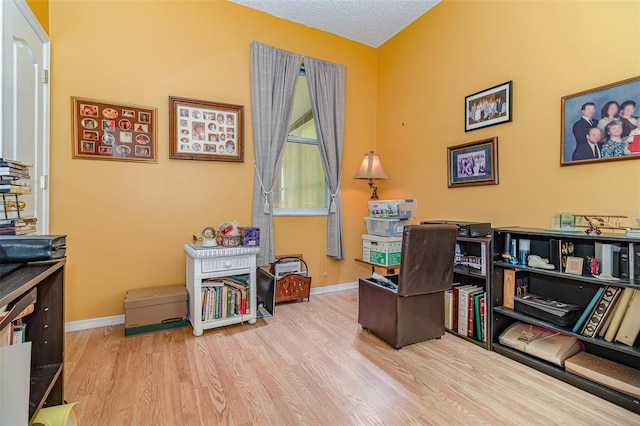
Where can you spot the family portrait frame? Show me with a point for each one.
(204, 130)
(473, 163)
(488, 107)
(601, 124)
(106, 130)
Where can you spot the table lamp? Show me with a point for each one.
(371, 168)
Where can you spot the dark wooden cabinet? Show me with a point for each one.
(566, 288)
(45, 327)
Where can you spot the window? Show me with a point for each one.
(300, 188)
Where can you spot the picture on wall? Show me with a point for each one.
(488, 107)
(202, 130)
(601, 124)
(106, 130)
(474, 163)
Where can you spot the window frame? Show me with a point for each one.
(305, 211)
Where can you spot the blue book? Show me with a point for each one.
(585, 314)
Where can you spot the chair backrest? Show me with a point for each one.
(427, 259)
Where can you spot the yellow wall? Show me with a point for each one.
(126, 222)
(549, 49)
(40, 9)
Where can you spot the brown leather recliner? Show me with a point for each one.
(415, 312)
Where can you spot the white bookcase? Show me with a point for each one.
(216, 262)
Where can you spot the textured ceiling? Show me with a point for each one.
(371, 22)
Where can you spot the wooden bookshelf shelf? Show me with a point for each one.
(478, 248)
(566, 288)
(45, 327)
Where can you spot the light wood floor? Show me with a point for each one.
(311, 364)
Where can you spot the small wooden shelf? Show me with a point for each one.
(602, 391)
(565, 276)
(467, 338)
(387, 269)
(631, 350)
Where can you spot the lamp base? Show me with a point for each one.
(374, 190)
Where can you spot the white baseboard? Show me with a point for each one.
(336, 287)
(119, 319)
(93, 323)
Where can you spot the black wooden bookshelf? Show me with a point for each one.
(45, 326)
(568, 288)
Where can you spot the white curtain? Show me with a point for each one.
(326, 83)
(274, 76)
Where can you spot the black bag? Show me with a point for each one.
(542, 308)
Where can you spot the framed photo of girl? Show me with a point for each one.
(488, 107)
(601, 124)
(473, 163)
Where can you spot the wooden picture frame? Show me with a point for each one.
(612, 110)
(474, 163)
(488, 107)
(574, 265)
(203, 130)
(106, 130)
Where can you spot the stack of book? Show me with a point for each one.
(14, 182)
(224, 298)
(464, 311)
(612, 314)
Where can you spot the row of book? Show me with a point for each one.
(613, 314)
(14, 182)
(464, 311)
(224, 298)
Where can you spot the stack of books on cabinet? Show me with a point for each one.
(14, 183)
(225, 297)
(578, 318)
(466, 304)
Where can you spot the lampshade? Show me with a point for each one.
(371, 168)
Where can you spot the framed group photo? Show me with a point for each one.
(474, 163)
(488, 107)
(601, 124)
(105, 130)
(203, 130)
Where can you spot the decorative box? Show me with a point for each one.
(250, 236)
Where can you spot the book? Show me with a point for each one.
(621, 309)
(478, 321)
(456, 296)
(630, 326)
(606, 316)
(608, 373)
(471, 317)
(448, 308)
(229, 294)
(463, 309)
(609, 316)
(483, 317)
(590, 328)
(509, 288)
(624, 262)
(585, 314)
(555, 248)
(604, 254)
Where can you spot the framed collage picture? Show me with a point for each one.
(202, 130)
(105, 130)
(488, 107)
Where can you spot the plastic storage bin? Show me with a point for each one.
(397, 209)
(384, 227)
